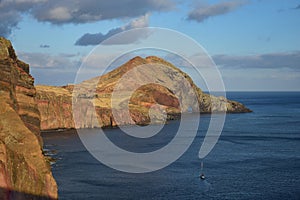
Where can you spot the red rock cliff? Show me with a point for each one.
(55, 105)
(24, 172)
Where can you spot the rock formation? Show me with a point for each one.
(24, 172)
(55, 103)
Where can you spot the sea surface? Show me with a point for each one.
(256, 157)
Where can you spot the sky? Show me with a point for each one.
(255, 44)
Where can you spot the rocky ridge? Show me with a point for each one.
(24, 172)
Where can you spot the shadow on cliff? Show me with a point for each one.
(7, 194)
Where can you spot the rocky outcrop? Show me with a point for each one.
(24, 172)
(55, 103)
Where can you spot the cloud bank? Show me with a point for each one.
(288, 60)
(75, 11)
(78, 11)
(43, 60)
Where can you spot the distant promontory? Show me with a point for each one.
(55, 103)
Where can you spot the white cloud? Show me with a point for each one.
(97, 38)
(203, 12)
(60, 13)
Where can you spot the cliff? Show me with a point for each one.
(55, 103)
(24, 172)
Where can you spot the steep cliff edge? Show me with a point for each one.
(24, 172)
(55, 103)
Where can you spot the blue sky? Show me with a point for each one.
(254, 43)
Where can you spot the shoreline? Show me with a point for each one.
(175, 117)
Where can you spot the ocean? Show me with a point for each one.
(256, 157)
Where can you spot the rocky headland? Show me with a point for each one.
(24, 171)
(26, 109)
(55, 103)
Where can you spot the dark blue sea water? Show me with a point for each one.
(256, 157)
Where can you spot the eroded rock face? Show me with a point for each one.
(24, 172)
(16, 85)
(93, 97)
(55, 106)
